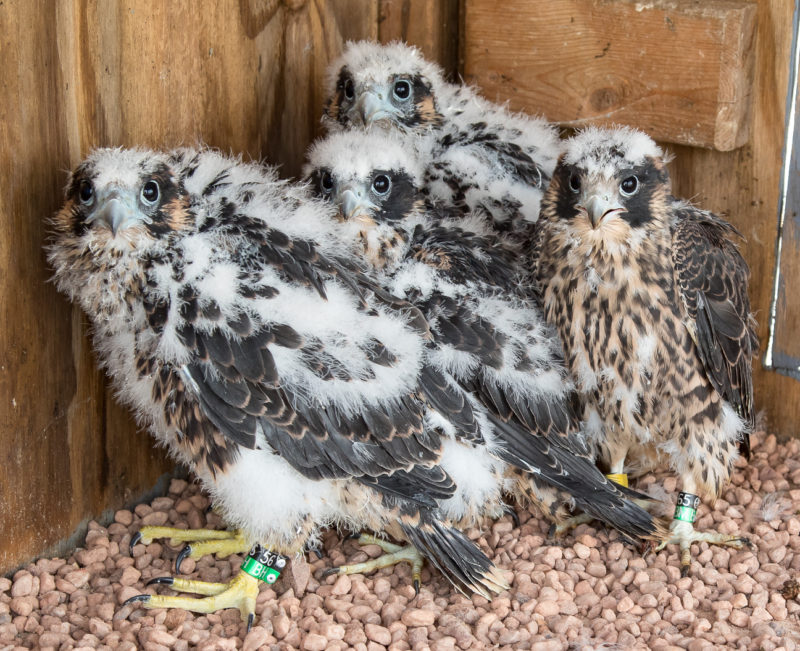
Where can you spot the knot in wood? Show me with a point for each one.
(604, 98)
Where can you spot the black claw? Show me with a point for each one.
(551, 532)
(134, 541)
(135, 598)
(250, 619)
(416, 587)
(746, 542)
(185, 552)
(684, 571)
(514, 518)
(354, 536)
(161, 580)
(329, 572)
(317, 551)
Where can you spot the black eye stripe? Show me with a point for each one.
(344, 85)
(399, 200)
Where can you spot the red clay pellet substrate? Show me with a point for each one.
(587, 591)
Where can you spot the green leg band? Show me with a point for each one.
(686, 509)
(263, 564)
(685, 514)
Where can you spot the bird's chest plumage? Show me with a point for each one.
(617, 313)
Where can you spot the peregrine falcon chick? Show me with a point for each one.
(479, 155)
(228, 317)
(649, 295)
(513, 428)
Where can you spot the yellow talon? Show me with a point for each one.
(199, 541)
(240, 592)
(394, 554)
(683, 534)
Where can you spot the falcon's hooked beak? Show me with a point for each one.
(117, 209)
(600, 203)
(353, 203)
(372, 106)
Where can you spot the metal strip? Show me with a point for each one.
(790, 147)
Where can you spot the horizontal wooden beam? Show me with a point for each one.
(679, 69)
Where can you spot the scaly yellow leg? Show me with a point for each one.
(240, 592)
(199, 541)
(683, 534)
(394, 554)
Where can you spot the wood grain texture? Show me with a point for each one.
(241, 75)
(51, 430)
(431, 25)
(679, 69)
(744, 186)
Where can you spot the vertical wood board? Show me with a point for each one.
(431, 25)
(744, 186)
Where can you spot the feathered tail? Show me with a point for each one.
(593, 493)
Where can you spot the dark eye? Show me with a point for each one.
(402, 90)
(326, 182)
(575, 183)
(150, 192)
(629, 186)
(86, 192)
(349, 89)
(381, 184)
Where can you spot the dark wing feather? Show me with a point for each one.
(712, 278)
(577, 475)
(455, 556)
(238, 392)
(451, 402)
(463, 256)
(235, 380)
(454, 324)
(505, 156)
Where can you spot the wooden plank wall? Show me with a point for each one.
(681, 70)
(744, 185)
(242, 75)
(431, 25)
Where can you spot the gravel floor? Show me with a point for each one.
(588, 591)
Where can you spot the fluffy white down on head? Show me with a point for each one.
(285, 206)
(355, 154)
(369, 62)
(122, 167)
(600, 150)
